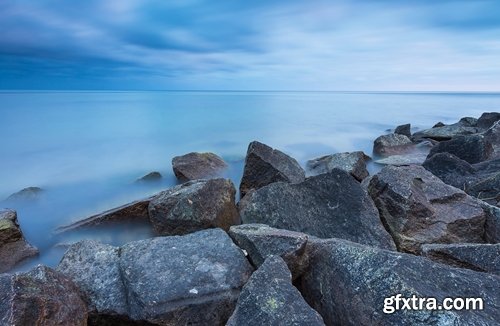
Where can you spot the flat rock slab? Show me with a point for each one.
(269, 298)
(418, 208)
(404, 159)
(327, 205)
(477, 257)
(194, 166)
(352, 162)
(265, 165)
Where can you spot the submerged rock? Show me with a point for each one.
(265, 165)
(353, 162)
(30, 193)
(41, 296)
(193, 206)
(391, 144)
(327, 205)
(194, 166)
(269, 298)
(404, 130)
(13, 246)
(152, 176)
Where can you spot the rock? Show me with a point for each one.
(13, 247)
(327, 205)
(261, 241)
(193, 206)
(404, 159)
(194, 166)
(354, 163)
(492, 137)
(265, 165)
(41, 296)
(352, 284)
(391, 144)
(472, 149)
(269, 298)
(488, 119)
(439, 124)
(417, 208)
(184, 280)
(492, 224)
(134, 211)
(466, 126)
(404, 130)
(30, 193)
(152, 176)
(477, 257)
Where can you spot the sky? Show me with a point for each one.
(315, 45)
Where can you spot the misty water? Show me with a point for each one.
(86, 149)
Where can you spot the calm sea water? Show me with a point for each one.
(87, 148)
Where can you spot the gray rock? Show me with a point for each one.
(30, 193)
(193, 206)
(265, 165)
(348, 284)
(391, 144)
(40, 297)
(417, 208)
(13, 246)
(179, 280)
(327, 205)
(488, 119)
(404, 130)
(477, 257)
(194, 166)
(472, 149)
(152, 176)
(466, 126)
(269, 298)
(492, 138)
(353, 162)
(404, 159)
(492, 223)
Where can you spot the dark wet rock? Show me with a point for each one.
(347, 284)
(131, 212)
(488, 119)
(194, 166)
(30, 193)
(466, 126)
(41, 296)
(492, 137)
(265, 165)
(439, 124)
(261, 241)
(352, 162)
(404, 130)
(472, 149)
(327, 205)
(477, 257)
(492, 224)
(193, 206)
(152, 176)
(13, 246)
(184, 280)
(269, 298)
(404, 159)
(391, 144)
(417, 208)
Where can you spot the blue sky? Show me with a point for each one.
(251, 45)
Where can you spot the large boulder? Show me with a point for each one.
(269, 298)
(13, 246)
(392, 144)
(477, 257)
(466, 126)
(472, 149)
(193, 206)
(327, 205)
(352, 162)
(488, 119)
(417, 208)
(265, 165)
(194, 166)
(42, 297)
(352, 284)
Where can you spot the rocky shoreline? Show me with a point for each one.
(325, 245)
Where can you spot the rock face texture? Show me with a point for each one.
(417, 208)
(492, 137)
(488, 119)
(41, 296)
(30, 193)
(477, 257)
(13, 247)
(178, 280)
(404, 130)
(492, 224)
(194, 166)
(327, 205)
(193, 206)
(472, 149)
(269, 298)
(466, 126)
(265, 165)
(391, 144)
(354, 163)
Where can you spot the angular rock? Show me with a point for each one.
(353, 162)
(391, 144)
(477, 257)
(472, 149)
(328, 205)
(404, 130)
(41, 296)
(30, 193)
(492, 224)
(417, 208)
(269, 298)
(265, 165)
(348, 284)
(13, 247)
(194, 166)
(466, 126)
(184, 280)
(492, 137)
(488, 119)
(152, 176)
(193, 206)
